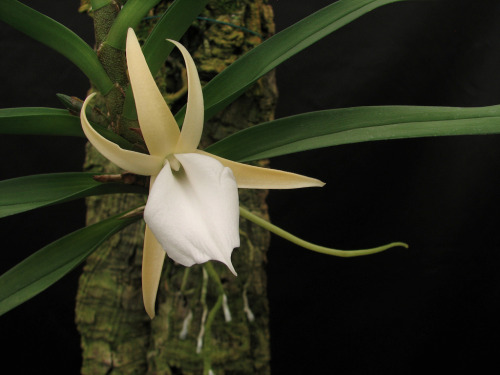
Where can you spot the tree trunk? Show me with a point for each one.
(192, 332)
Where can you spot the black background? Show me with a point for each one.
(431, 307)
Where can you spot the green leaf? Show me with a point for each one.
(350, 125)
(57, 37)
(172, 25)
(239, 76)
(98, 4)
(42, 269)
(130, 15)
(39, 121)
(50, 121)
(30, 192)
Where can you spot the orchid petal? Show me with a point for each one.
(158, 125)
(153, 257)
(193, 120)
(131, 161)
(194, 213)
(251, 177)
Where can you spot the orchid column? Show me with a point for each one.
(116, 332)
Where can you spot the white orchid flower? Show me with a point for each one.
(192, 212)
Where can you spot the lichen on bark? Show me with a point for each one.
(190, 334)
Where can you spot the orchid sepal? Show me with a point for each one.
(131, 161)
(252, 177)
(158, 125)
(153, 257)
(192, 126)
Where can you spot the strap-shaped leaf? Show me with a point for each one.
(42, 269)
(57, 37)
(239, 76)
(130, 16)
(98, 4)
(351, 125)
(30, 192)
(50, 121)
(39, 121)
(172, 25)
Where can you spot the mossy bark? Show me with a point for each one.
(190, 334)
